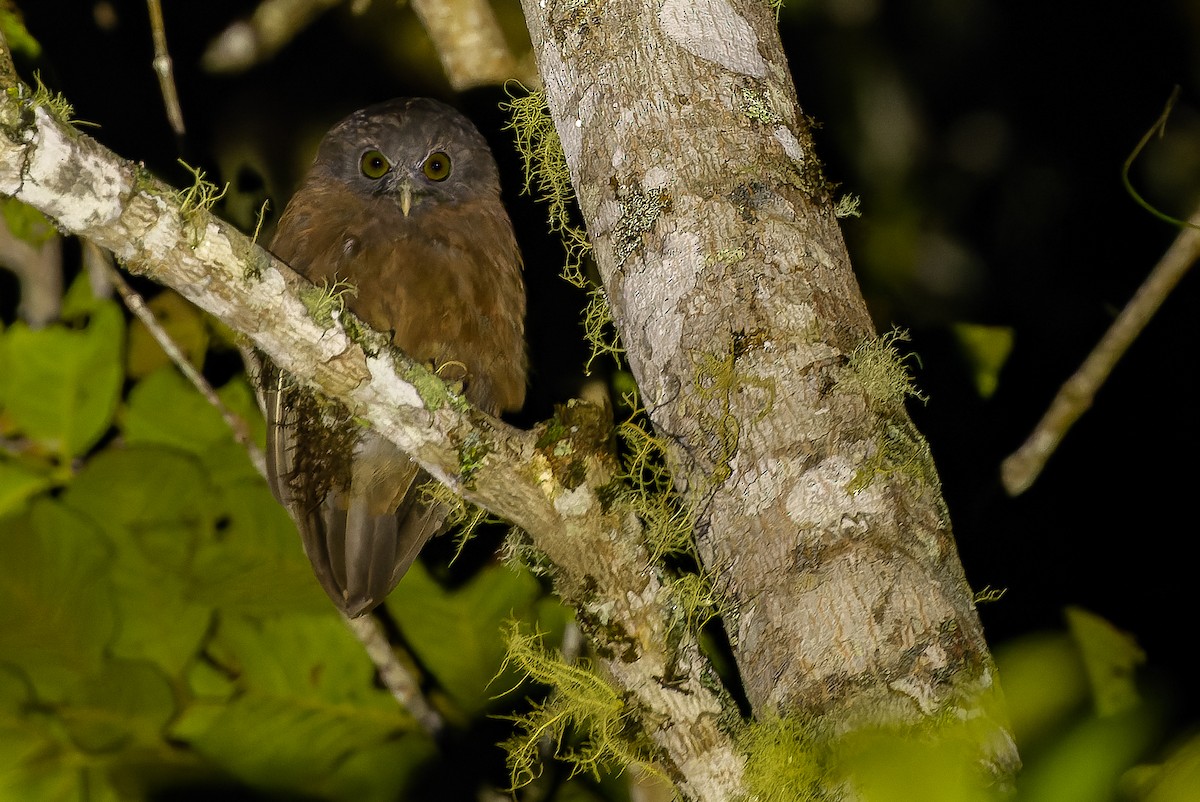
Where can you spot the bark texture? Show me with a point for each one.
(819, 512)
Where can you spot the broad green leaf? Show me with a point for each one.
(18, 36)
(156, 500)
(458, 634)
(182, 322)
(306, 708)
(25, 222)
(256, 563)
(163, 409)
(890, 767)
(61, 386)
(56, 599)
(1044, 683)
(18, 484)
(1110, 658)
(1087, 762)
(987, 349)
(125, 705)
(158, 508)
(1176, 780)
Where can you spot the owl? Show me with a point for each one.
(401, 208)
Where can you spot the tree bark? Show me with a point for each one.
(819, 511)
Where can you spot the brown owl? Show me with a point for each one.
(402, 205)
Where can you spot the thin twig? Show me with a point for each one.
(395, 677)
(163, 67)
(137, 306)
(1023, 466)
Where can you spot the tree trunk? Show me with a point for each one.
(819, 512)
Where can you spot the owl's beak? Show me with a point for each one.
(406, 197)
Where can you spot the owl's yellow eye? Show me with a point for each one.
(437, 166)
(374, 164)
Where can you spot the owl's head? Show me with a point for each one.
(413, 150)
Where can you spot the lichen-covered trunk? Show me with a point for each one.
(820, 516)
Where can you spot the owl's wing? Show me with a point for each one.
(360, 519)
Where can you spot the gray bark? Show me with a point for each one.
(819, 513)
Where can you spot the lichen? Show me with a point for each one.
(599, 329)
(757, 105)
(461, 516)
(546, 169)
(881, 371)
(639, 212)
(582, 702)
(848, 206)
(326, 300)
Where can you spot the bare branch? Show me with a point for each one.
(1021, 468)
(468, 40)
(163, 68)
(402, 684)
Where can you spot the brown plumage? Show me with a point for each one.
(403, 204)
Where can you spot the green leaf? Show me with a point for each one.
(125, 705)
(18, 484)
(986, 349)
(158, 508)
(1087, 762)
(256, 564)
(56, 600)
(182, 322)
(1110, 658)
(17, 34)
(307, 715)
(25, 222)
(1044, 684)
(157, 501)
(457, 634)
(164, 409)
(61, 386)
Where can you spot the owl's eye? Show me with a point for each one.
(437, 166)
(374, 164)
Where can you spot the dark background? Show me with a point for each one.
(985, 140)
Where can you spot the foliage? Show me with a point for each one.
(159, 623)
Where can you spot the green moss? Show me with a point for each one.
(546, 170)
(582, 702)
(372, 342)
(54, 103)
(326, 300)
(786, 761)
(472, 453)
(881, 371)
(716, 381)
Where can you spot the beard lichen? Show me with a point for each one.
(546, 169)
(581, 702)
